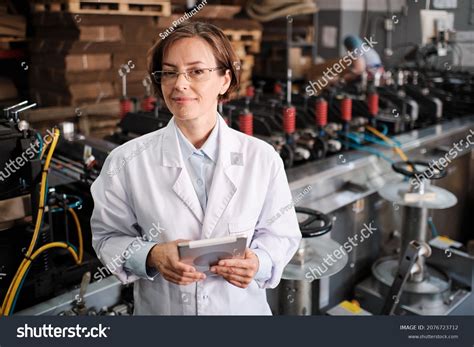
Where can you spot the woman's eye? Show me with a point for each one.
(168, 73)
(197, 72)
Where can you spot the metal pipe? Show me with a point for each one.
(7, 110)
(26, 108)
(414, 227)
(22, 109)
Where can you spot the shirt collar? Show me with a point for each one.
(209, 148)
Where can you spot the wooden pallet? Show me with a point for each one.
(243, 35)
(122, 7)
(248, 62)
(244, 48)
(249, 40)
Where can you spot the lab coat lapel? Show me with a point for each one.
(183, 187)
(224, 183)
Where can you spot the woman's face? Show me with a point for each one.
(191, 100)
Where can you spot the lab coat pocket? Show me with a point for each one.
(244, 227)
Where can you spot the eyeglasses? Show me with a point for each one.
(194, 75)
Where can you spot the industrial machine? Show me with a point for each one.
(343, 144)
(45, 239)
(428, 289)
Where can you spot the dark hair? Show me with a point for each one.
(223, 52)
(352, 42)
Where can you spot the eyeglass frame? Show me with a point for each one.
(210, 69)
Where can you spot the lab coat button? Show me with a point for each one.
(199, 182)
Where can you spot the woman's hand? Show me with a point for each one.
(164, 257)
(239, 272)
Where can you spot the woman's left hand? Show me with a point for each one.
(239, 272)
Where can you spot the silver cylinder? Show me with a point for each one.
(295, 298)
(415, 227)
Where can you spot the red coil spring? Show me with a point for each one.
(373, 103)
(148, 104)
(250, 91)
(125, 107)
(289, 120)
(346, 109)
(277, 88)
(246, 123)
(321, 112)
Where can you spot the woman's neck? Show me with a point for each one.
(197, 130)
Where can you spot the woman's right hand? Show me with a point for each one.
(165, 259)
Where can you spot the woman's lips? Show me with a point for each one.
(183, 100)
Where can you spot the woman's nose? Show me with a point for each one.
(181, 82)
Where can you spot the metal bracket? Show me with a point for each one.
(414, 250)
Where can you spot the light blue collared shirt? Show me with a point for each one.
(200, 164)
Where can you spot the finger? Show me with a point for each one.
(182, 267)
(179, 283)
(249, 253)
(237, 284)
(176, 281)
(171, 275)
(176, 278)
(220, 270)
(240, 279)
(196, 276)
(239, 263)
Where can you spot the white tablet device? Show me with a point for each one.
(202, 254)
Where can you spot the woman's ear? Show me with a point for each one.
(227, 80)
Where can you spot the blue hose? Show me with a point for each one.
(369, 150)
(73, 205)
(38, 136)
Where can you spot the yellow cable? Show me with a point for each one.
(39, 215)
(389, 141)
(27, 264)
(43, 150)
(79, 234)
(42, 192)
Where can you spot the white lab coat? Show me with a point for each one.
(145, 182)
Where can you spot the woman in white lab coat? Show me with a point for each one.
(194, 179)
